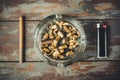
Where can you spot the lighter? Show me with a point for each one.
(102, 40)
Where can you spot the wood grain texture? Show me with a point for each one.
(35, 11)
(9, 32)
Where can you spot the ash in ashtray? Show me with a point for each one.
(60, 39)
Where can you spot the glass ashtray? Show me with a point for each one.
(59, 39)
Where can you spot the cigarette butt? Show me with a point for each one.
(47, 42)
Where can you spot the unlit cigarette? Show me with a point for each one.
(21, 39)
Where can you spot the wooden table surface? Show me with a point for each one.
(87, 12)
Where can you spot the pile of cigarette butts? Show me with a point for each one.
(59, 39)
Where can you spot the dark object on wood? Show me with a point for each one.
(102, 40)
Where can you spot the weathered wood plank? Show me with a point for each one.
(9, 37)
(9, 41)
(37, 10)
(78, 71)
